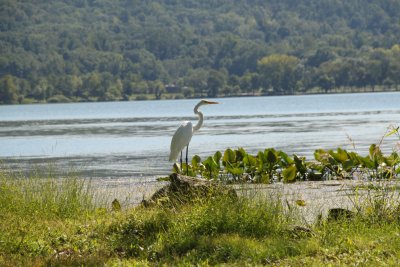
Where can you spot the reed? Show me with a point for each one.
(40, 194)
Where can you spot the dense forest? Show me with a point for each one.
(102, 50)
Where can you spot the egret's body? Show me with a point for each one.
(184, 133)
(181, 139)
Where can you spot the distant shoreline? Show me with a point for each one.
(148, 97)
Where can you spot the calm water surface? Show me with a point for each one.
(132, 139)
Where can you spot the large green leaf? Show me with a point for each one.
(240, 154)
(210, 164)
(250, 161)
(229, 156)
(235, 171)
(349, 164)
(261, 156)
(332, 161)
(217, 157)
(196, 161)
(299, 163)
(212, 168)
(367, 162)
(271, 156)
(355, 158)
(285, 159)
(340, 156)
(289, 174)
(321, 155)
(393, 159)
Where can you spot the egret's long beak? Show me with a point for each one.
(211, 102)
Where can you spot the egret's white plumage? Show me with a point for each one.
(181, 139)
(184, 133)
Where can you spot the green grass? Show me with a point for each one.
(47, 220)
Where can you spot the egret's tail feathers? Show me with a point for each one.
(173, 156)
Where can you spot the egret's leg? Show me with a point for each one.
(187, 152)
(181, 161)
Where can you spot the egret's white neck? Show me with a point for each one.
(200, 115)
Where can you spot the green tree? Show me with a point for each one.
(197, 79)
(326, 82)
(141, 87)
(158, 89)
(215, 82)
(188, 92)
(278, 71)
(71, 85)
(8, 90)
(42, 89)
(163, 43)
(113, 92)
(394, 65)
(321, 56)
(93, 84)
(353, 42)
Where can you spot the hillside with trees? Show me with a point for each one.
(101, 50)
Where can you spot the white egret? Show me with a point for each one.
(184, 133)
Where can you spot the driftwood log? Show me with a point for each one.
(183, 189)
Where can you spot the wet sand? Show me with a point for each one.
(317, 197)
(129, 192)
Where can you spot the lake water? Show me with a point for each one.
(132, 139)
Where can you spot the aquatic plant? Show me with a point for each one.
(270, 165)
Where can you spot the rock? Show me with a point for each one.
(183, 189)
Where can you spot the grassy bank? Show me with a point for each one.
(52, 221)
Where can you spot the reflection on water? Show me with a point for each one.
(131, 139)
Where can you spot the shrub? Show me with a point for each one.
(141, 97)
(58, 99)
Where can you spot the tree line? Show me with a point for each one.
(99, 50)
